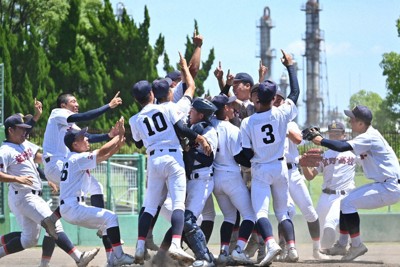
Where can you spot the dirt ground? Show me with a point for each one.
(379, 254)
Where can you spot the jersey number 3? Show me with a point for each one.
(269, 133)
(158, 122)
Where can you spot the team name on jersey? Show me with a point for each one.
(24, 156)
(340, 160)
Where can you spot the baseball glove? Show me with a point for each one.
(310, 133)
(311, 158)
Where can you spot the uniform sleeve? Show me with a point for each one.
(212, 139)
(289, 109)
(135, 133)
(87, 160)
(173, 115)
(3, 160)
(360, 144)
(246, 141)
(61, 115)
(178, 92)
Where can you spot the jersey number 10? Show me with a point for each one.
(158, 122)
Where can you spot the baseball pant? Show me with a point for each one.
(232, 195)
(29, 209)
(270, 179)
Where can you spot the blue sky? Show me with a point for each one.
(356, 34)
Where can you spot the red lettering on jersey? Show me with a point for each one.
(24, 155)
(90, 156)
(363, 156)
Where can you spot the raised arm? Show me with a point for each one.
(194, 63)
(219, 74)
(94, 113)
(187, 77)
(287, 60)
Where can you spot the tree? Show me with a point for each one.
(391, 68)
(378, 106)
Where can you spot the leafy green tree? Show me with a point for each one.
(380, 110)
(391, 68)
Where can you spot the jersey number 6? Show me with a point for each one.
(64, 172)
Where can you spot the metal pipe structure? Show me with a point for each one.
(266, 53)
(312, 53)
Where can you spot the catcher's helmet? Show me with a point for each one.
(205, 107)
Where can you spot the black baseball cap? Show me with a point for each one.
(336, 126)
(244, 78)
(266, 91)
(160, 87)
(141, 89)
(174, 75)
(360, 112)
(72, 134)
(16, 120)
(221, 100)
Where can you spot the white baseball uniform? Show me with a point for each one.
(229, 188)
(55, 151)
(154, 125)
(265, 134)
(201, 183)
(25, 201)
(297, 187)
(338, 169)
(380, 164)
(75, 179)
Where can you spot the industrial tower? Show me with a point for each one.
(266, 53)
(313, 39)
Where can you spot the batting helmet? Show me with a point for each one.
(205, 107)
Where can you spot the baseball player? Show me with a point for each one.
(200, 184)
(163, 93)
(198, 166)
(298, 191)
(17, 167)
(338, 169)
(263, 137)
(61, 119)
(379, 163)
(229, 188)
(75, 179)
(156, 128)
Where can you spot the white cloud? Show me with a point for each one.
(297, 47)
(340, 49)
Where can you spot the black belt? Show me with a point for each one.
(196, 175)
(35, 192)
(151, 153)
(281, 159)
(333, 192)
(47, 160)
(291, 165)
(79, 199)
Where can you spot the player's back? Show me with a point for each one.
(265, 132)
(229, 145)
(154, 125)
(57, 126)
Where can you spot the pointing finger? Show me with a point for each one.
(117, 94)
